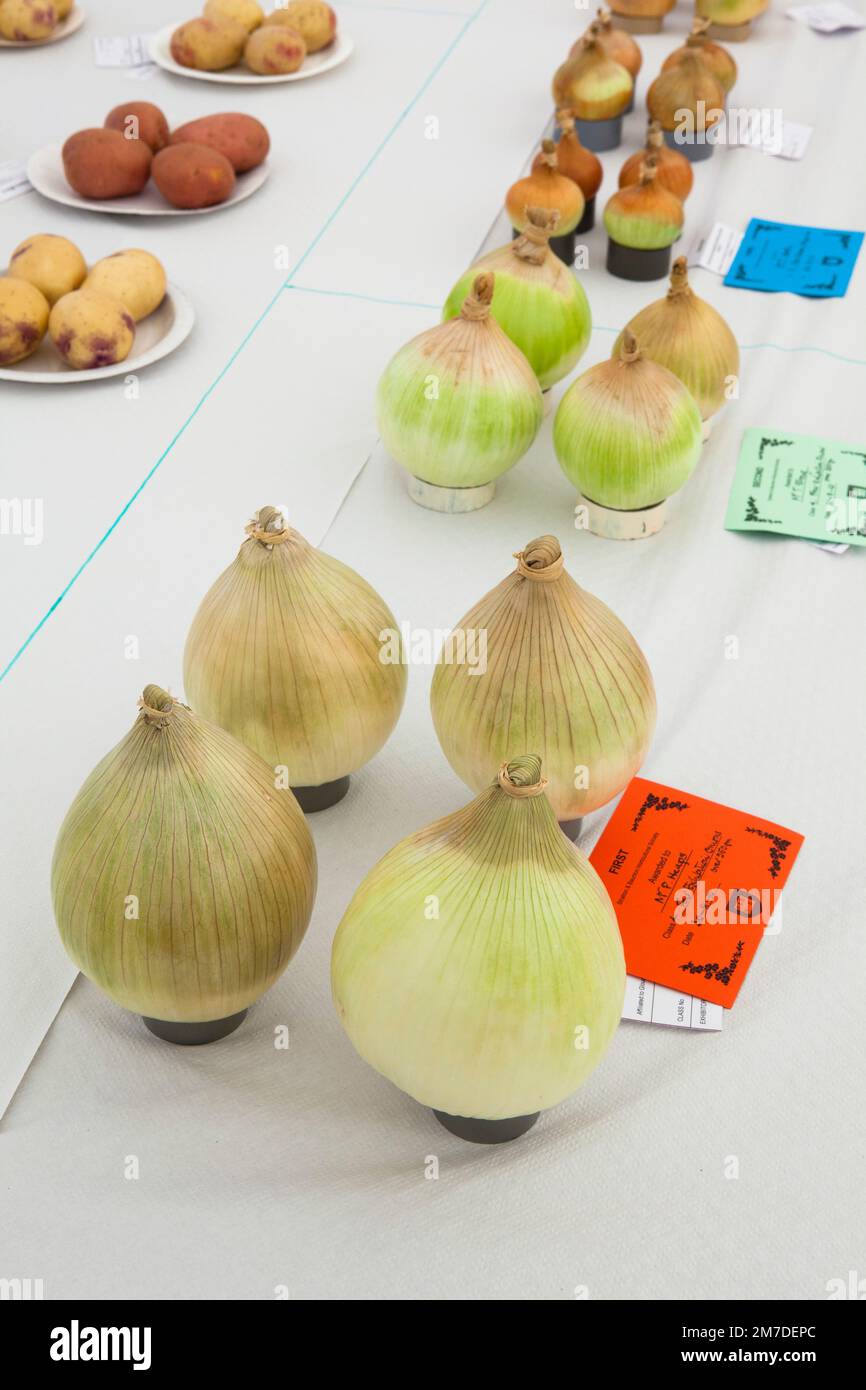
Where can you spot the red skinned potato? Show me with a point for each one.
(242, 139)
(193, 176)
(102, 163)
(143, 120)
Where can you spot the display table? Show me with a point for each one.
(263, 1170)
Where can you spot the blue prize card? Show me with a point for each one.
(814, 261)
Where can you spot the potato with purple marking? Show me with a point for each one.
(209, 45)
(242, 139)
(135, 277)
(274, 50)
(193, 176)
(23, 21)
(23, 319)
(52, 263)
(101, 163)
(139, 120)
(90, 329)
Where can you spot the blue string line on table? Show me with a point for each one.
(433, 73)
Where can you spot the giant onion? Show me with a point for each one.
(562, 674)
(284, 652)
(689, 337)
(479, 964)
(183, 879)
(538, 302)
(459, 405)
(627, 434)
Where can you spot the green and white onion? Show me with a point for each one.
(183, 880)
(460, 404)
(562, 675)
(537, 300)
(479, 965)
(627, 432)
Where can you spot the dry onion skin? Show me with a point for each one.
(687, 86)
(673, 170)
(573, 159)
(563, 675)
(627, 432)
(614, 42)
(644, 215)
(718, 59)
(688, 336)
(475, 1010)
(284, 653)
(545, 187)
(183, 880)
(459, 405)
(642, 9)
(592, 85)
(537, 300)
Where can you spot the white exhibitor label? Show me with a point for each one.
(646, 1002)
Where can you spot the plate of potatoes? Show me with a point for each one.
(134, 163)
(63, 321)
(236, 41)
(31, 23)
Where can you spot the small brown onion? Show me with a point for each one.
(718, 59)
(545, 187)
(674, 171)
(591, 84)
(573, 159)
(687, 86)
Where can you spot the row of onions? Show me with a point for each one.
(479, 964)
(731, 20)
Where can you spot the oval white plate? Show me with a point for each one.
(45, 172)
(315, 63)
(67, 26)
(155, 337)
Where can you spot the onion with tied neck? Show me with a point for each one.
(592, 85)
(690, 338)
(563, 674)
(474, 1008)
(183, 880)
(690, 85)
(545, 187)
(459, 405)
(645, 215)
(616, 43)
(673, 170)
(717, 59)
(627, 432)
(537, 300)
(284, 653)
(573, 159)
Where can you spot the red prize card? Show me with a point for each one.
(693, 885)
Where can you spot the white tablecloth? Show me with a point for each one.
(260, 1167)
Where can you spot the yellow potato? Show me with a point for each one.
(134, 277)
(23, 319)
(313, 19)
(209, 45)
(51, 263)
(23, 20)
(90, 329)
(274, 50)
(245, 12)
(61, 8)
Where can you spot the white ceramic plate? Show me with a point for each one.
(67, 26)
(155, 337)
(45, 172)
(315, 63)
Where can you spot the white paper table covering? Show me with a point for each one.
(262, 1168)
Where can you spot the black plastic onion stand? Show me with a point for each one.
(599, 136)
(194, 1034)
(486, 1131)
(587, 222)
(572, 828)
(312, 799)
(631, 263)
(694, 150)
